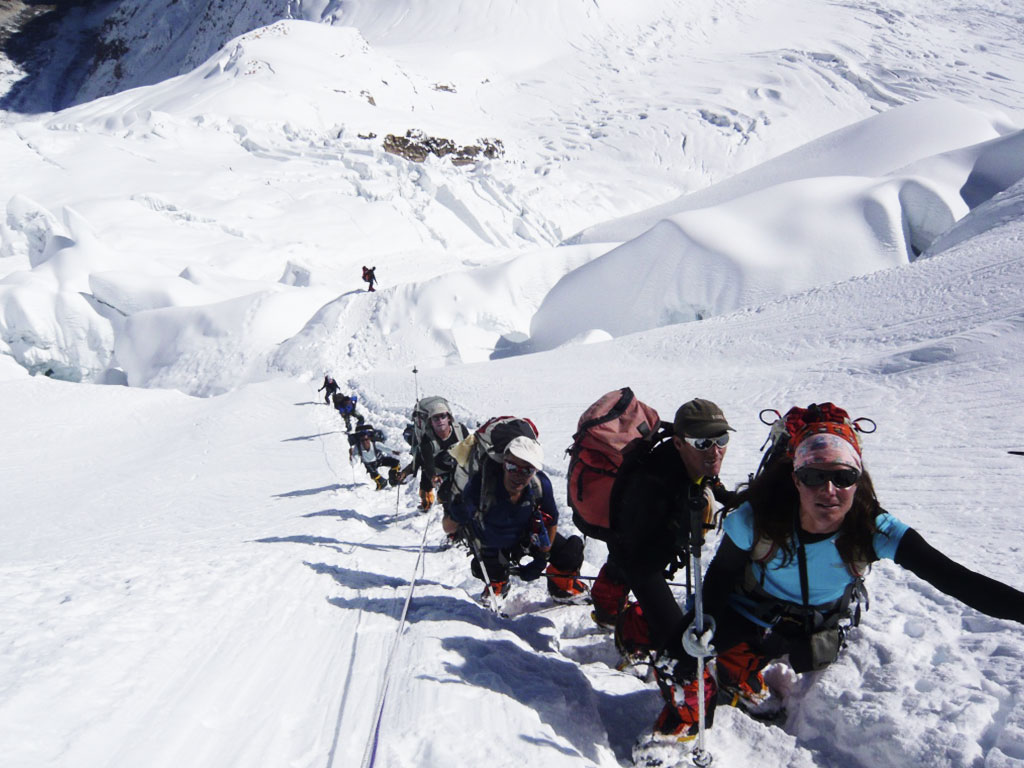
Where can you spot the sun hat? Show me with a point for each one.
(526, 449)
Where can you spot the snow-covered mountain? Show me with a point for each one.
(766, 204)
(295, 116)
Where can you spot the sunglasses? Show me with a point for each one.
(814, 478)
(705, 443)
(518, 469)
(440, 417)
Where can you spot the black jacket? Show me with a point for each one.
(650, 523)
(432, 458)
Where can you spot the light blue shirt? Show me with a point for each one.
(827, 574)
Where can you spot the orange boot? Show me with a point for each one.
(565, 587)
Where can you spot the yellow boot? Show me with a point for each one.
(426, 500)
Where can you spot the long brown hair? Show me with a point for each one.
(776, 505)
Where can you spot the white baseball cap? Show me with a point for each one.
(526, 449)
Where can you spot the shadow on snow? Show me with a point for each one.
(312, 437)
(559, 692)
(314, 491)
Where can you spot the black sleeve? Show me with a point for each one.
(420, 458)
(723, 495)
(664, 617)
(987, 595)
(723, 576)
(427, 458)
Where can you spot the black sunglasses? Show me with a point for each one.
(814, 478)
(705, 443)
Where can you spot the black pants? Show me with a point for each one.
(354, 414)
(566, 555)
(373, 467)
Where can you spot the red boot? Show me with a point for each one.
(681, 713)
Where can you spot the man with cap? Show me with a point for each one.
(509, 511)
(431, 455)
(650, 526)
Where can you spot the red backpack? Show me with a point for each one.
(615, 428)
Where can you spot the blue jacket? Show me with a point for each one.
(505, 524)
(827, 575)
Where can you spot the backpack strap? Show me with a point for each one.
(613, 413)
(764, 551)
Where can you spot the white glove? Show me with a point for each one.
(700, 645)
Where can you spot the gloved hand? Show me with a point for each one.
(539, 538)
(699, 645)
(533, 569)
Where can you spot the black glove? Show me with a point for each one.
(533, 569)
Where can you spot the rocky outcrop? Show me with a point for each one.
(416, 146)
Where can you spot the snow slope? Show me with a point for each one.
(209, 584)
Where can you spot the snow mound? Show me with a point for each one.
(935, 139)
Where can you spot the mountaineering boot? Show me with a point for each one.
(632, 638)
(394, 476)
(380, 481)
(751, 693)
(426, 500)
(754, 697)
(564, 587)
(609, 598)
(452, 539)
(657, 751)
(602, 619)
(681, 713)
(674, 734)
(498, 588)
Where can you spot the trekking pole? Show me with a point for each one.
(475, 546)
(416, 381)
(698, 502)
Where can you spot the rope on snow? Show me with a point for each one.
(370, 754)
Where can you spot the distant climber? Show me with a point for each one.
(346, 407)
(370, 276)
(329, 388)
(365, 442)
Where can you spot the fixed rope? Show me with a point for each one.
(370, 753)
